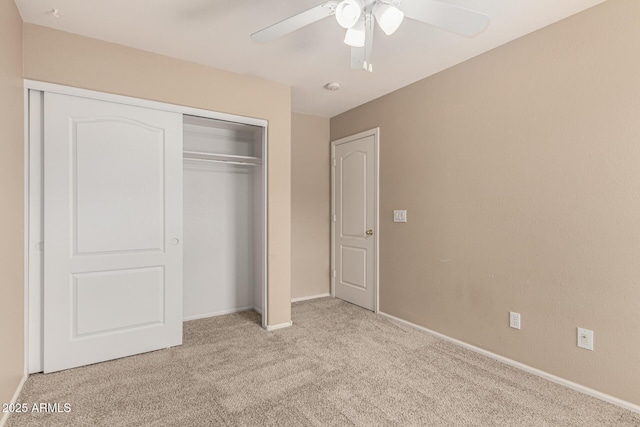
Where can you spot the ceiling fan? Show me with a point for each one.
(358, 17)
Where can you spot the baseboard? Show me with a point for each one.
(280, 326)
(257, 310)
(550, 377)
(217, 313)
(310, 297)
(14, 399)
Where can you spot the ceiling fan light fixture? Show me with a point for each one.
(355, 35)
(348, 13)
(388, 17)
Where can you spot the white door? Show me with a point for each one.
(112, 231)
(355, 219)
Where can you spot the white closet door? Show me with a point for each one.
(112, 231)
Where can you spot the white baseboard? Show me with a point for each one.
(217, 313)
(257, 310)
(14, 399)
(280, 326)
(550, 377)
(310, 297)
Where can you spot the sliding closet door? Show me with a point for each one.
(112, 231)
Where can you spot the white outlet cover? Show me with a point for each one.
(514, 320)
(585, 339)
(400, 216)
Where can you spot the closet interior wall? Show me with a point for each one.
(223, 217)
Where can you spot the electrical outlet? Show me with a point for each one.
(400, 216)
(514, 320)
(585, 339)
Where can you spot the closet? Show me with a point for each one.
(223, 217)
(140, 215)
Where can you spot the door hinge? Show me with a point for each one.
(333, 273)
(334, 218)
(334, 162)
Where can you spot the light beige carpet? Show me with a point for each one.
(339, 365)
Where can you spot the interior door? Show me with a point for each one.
(355, 220)
(112, 230)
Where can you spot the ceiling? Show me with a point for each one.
(216, 33)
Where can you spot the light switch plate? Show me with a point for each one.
(400, 216)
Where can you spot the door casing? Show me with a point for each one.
(375, 132)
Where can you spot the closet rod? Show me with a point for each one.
(231, 162)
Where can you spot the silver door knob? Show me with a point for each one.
(369, 232)
(175, 241)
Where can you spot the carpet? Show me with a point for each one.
(338, 365)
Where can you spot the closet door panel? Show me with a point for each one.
(118, 167)
(112, 229)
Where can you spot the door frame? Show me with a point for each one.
(29, 159)
(375, 132)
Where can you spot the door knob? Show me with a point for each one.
(369, 232)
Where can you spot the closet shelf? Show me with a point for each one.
(198, 155)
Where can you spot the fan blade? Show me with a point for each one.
(446, 16)
(295, 22)
(357, 58)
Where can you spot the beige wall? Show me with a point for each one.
(310, 207)
(520, 171)
(11, 208)
(68, 59)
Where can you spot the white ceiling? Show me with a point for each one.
(216, 33)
